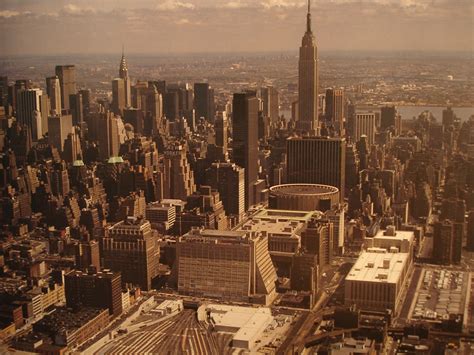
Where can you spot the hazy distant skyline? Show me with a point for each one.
(174, 26)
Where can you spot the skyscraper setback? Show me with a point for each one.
(308, 80)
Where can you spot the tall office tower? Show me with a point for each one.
(138, 91)
(444, 243)
(317, 238)
(317, 160)
(45, 108)
(67, 79)
(72, 150)
(228, 265)
(204, 101)
(53, 89)
(60, 180)
(153, 110)
(135, 117)
(448, 117)
(123, 74)
(94, 289)
(118, 96)
(388, 117)
(352, 167)
(131, 248)
(179, 178)
(308, 80)
(86, 102)
(470, 231)
(28, 111)
(229, 180)
(245, 140)
(160, 85)
(171, 106)
(221, 128)
(107, 133)
(4, 91)
(365, 126)
(59, 127)
(21, 84)
(87, 254)
(335, 103)
(77, 109)
(271, 103)
(185, 102)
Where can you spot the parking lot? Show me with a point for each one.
(440, 293)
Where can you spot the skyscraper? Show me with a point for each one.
(204, 101)
(179, 178)
(388, 116)
(53, 89)
(335, 107)
(131, 248)
(308, 80)
(59, 127)
(86, 102)
(171, 105)
(229, 180)
(28, 110)
(317, 160)
(365, 125)
(67, 79)
(107, 132)
(77, 108)
(245, 140)
(221, 126)
(4, 91)
(118, 96)
(271, 103)
(123, 74)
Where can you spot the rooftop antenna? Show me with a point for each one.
(308, 18)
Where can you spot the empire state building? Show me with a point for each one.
(308, 81)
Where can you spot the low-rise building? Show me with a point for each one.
(70, 328)
(377, 279)
(246, 324)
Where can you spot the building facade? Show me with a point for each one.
(229, 265)
(317, 160)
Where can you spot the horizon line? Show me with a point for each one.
(250, 52)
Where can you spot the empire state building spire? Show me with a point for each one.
(308, 18)
(308, 81)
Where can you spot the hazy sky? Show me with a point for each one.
(168, 26)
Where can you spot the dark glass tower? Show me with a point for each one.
(245, 140)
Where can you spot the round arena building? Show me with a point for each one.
(303, 197)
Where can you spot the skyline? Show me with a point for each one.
(188, 26)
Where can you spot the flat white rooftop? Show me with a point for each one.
(378, 265)
(284, 215)
(274, 226)
(246, 322)
(399, 235)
